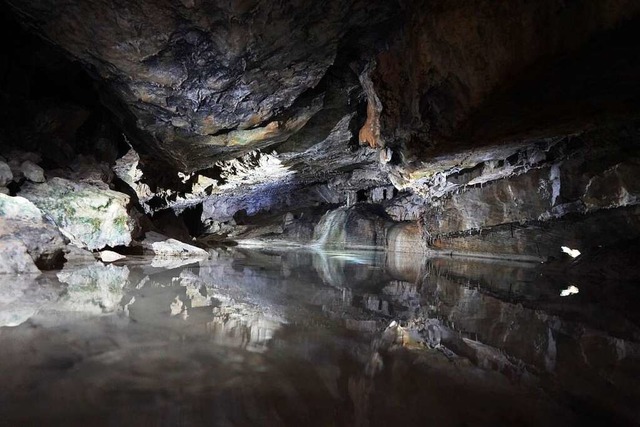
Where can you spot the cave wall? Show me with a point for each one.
(473, 62)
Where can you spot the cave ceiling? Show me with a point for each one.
(326, 88)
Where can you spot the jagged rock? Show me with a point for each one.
(92, 216)
(162, 246)
(6, 176)
(536, 195)
(21, 220)
(126, 168)
(32, 172)
(110, 256)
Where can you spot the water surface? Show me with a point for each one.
(295, 337)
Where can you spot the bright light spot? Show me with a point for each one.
(571, 290)
(571, 252)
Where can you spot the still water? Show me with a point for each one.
(306, 338)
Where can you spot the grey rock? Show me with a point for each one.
(15, 257)
(32, 172)
(162, 246)
(90, 215)
(21, 220)
(75, 256)
(350, 227)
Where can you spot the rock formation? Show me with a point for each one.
(467, 127)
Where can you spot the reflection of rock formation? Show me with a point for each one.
(502, 317)
(22, 298)
(348, 269)
(233, 338)
(94, 288)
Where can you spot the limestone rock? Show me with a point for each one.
(110, 256)
(92, 216)
(127, 169)
(15, 257)
(439, 103)
(22, 221)
(32, 172)
(358, 226)
(162, 246)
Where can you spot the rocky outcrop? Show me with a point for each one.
(90, 215)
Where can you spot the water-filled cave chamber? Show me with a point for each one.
(319, 213)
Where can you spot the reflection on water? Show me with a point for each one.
(316, 338)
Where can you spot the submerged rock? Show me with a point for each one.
(91, 215)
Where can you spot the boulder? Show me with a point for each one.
(32, 172)
(22, 226)
(90, 214)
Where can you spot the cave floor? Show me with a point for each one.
(304, 337)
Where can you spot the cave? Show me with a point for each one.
(350, 212)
